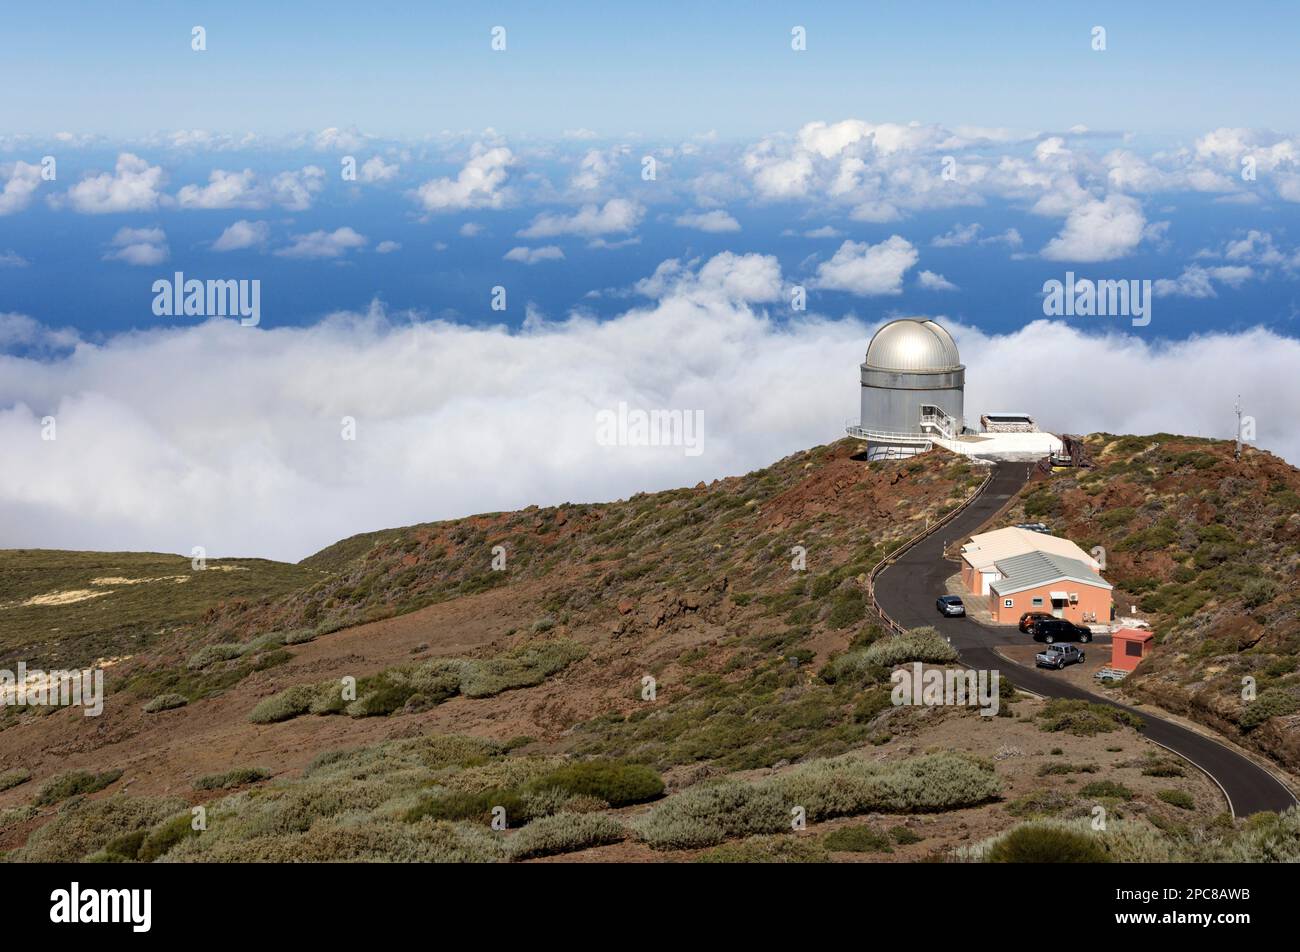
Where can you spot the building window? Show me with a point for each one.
(1133, 649)
(1008, 603)
(1038, 603)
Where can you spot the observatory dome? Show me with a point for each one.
(912, 346)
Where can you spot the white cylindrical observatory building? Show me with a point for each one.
(912, 389)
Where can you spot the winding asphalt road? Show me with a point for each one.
(907, 588)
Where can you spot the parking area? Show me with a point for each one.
(1096, 657)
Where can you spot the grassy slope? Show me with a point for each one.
(126, 618)
(1209, 551)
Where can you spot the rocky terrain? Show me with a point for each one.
(664, 677)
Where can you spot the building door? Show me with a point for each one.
(1058, 607)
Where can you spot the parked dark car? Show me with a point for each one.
(1058, 656)
(1058, 629)
(1028, 619)
(1035, 527)
(950, 605)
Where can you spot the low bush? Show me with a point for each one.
(74, 782)
(1107, 789)
(1273, 702)
(564, 833)
(779, 848)
(14, 777)
(288, 704)
(1177, 798)
(232, 778)
(166, 702)
(1046, 844)
(165, 836)
(918, 644)
(905, 837)
(1084, 718)
(87, 826)
(842, 786)
(857, 839)
(618, 784)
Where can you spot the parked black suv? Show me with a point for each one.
(1058, 629)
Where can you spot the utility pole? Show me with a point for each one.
(1237, 455)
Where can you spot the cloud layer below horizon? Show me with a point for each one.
(229, 437)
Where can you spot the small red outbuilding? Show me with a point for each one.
(1128, 647)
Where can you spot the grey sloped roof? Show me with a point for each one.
(1042, 568)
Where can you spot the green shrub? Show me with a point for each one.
(857, 839)
(287, 704)
(166, 835)
(232, 778)
(847, 608)
(1046, 844)
(83, 827)
(211, 654)
(842, 786)
(1274, 702)
(618, 784)
(1107, 789)
(779, 848)
(476, 807)
(904, 837)
(74, 782)
(564, 833)
(14, 777)
(1178, 798)
(166, 702)
(1084, 718)
(918, 644)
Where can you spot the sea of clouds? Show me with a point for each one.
(229, 437)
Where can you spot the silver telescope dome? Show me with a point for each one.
(912, 345)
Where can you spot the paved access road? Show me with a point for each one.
(907, 588)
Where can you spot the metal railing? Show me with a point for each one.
(889, 436)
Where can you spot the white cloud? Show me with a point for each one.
(934, 282)
(374, 169)
(480, 183)
(295, 190)
(617, 216)
(12, 259)
(865, 269)
(535, 255)
(1198, 282)
(715, 221)
(957, 237)
(1099, 230)
(20, 186)
(744, 277)
(387, 247)
(339, 140)
(19, 331)
(470, 230)
(245, 459)
(323, 244)
(131, 187)
(139, 246)
(224, 190)
(243, 234)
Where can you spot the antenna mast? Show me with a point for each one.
(1237, 455)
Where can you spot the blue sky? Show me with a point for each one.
(944, 161)
(663, 69)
